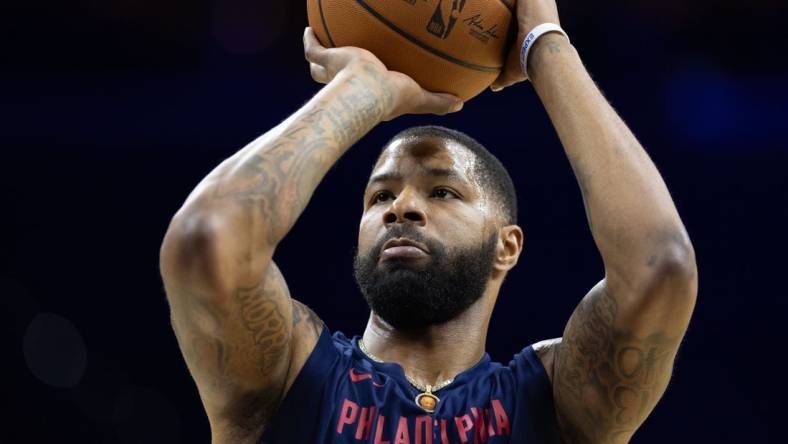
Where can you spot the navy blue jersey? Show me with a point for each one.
(341, 396)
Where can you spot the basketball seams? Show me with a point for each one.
(325, 25)
(386, 22)
(508, 6)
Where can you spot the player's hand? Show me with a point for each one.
(407, 96)
(530, 14)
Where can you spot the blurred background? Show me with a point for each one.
(113, 110)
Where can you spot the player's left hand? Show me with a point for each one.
(530, 14)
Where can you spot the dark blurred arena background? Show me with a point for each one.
(113, 110)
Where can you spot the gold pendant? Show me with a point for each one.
(427, 400)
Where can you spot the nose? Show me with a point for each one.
(407, 207)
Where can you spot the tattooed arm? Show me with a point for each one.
(618, 348)
(244, 339)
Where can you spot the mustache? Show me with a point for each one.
(406, 231)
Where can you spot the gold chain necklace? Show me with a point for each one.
(427, 399)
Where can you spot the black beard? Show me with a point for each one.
(411, 297)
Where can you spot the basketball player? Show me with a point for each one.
(437, 237)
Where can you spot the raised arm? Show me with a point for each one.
(618, 348)
(244, 339)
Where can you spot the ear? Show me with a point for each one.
(510, 245)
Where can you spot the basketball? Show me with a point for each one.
(451, 46)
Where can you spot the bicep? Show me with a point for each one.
(615, 361)
(240, 346)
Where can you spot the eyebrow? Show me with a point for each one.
(434, 172)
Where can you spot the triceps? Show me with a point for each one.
(236, 342)
(205, 354)
(607, 380)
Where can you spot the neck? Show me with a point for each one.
(436, 353)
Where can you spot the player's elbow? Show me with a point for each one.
(676, 264)
(191, 253)
(671, 285)
(664, 285)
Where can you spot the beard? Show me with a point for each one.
(411, 296)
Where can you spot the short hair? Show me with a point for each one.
(489, 171)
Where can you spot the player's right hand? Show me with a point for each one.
(407, 96)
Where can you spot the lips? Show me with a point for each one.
(403, 242)
(403, 248)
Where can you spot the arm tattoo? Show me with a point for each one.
(606, 381)
(210, 334)
(261, 316)
(238, 351)
(537, 57)
(238, 347)
(277, 177)
(303, 313)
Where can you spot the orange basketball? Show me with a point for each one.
(454, 46)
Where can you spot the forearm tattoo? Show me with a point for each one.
(537, 56)
(277, 178)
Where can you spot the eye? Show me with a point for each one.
(444, 193)
(381, 196)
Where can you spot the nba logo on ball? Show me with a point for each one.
(437, 25)
(453, 46)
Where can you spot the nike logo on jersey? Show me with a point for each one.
(358, 377)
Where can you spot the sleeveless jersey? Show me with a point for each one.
(341, 396)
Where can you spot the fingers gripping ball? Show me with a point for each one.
(451, 46)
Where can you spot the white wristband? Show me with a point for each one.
(534, 35)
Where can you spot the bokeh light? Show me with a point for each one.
(55, 351)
